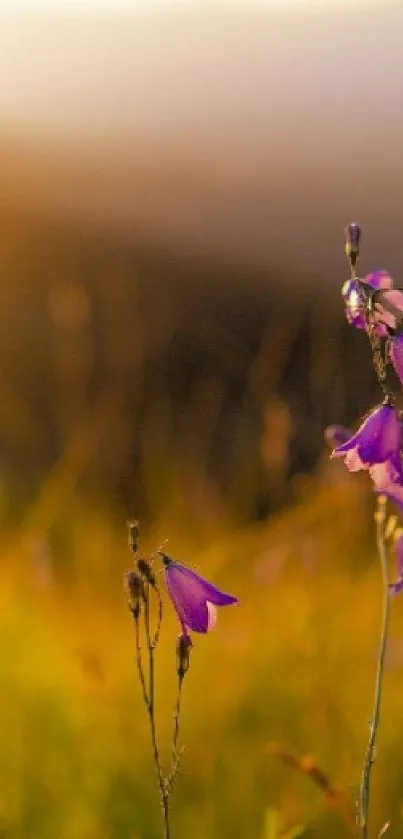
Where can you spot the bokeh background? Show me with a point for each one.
(174, 183)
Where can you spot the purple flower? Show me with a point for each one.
(354, 296)
(352, 235)
(377, 441)
(335, 435)
(354, 301)
(194, 599)
(379, 279)
(386, 482)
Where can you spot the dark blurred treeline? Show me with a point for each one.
(142, 375)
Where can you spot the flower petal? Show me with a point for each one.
(378, 439)
(396, 464)
(397, 586)
(353, 461)
(193, 597)
(215, 595)
(212, 615)
(376, 435)
(379, 279)
(386, 482)
(367, 433)
(190, 605)
(201, 587)
(336, 435)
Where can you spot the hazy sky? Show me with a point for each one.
(250, 130)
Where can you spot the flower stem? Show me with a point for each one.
(176, 753)
(162, 785)
(371, 747)
(139, 662)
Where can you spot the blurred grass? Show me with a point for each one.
(293, 664)
(197, 405)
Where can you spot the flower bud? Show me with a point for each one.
(135, 589)
(133, 535)
(146, 571)
(352, 236)
(336, 435)
(183, 648)
(353, 294)
(380, 511)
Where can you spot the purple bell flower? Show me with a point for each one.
(194, 599)
(377, 441)
(353, 293)
(379, 279)
(354, 303)
(335, 435)
(386, 482)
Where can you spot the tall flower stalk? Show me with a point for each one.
(140, 584)
(380, 520)
(195, 601)
(373, 304)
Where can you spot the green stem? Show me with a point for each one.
(371, 747)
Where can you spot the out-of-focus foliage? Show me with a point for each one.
(293, 664)
(122, 394)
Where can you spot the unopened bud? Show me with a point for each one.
(135, 589)
(380, 511)
(133, 535)
(146, 571)
(352, 236)
(335, 435)
(391, 528)
(398, 534)
(183, 648)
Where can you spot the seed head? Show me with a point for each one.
(133, 535)
(146, 571)
(135, 589)
(352, 236)
(183, 648)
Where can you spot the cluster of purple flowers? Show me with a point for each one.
(374, 305)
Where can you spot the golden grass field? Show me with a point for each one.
(291, 669)
(111, 401)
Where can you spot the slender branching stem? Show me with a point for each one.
(176, 753)
(162, 785)
(156, 637)
(371, 747)
(139, 662)
(142, 584)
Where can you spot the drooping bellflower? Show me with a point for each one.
(377, 442)
(195, 600)
(355, 292)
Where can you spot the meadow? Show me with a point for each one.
(289, 671)
(124, 395)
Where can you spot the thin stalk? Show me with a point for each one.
(157, 632)
(176, 754)
(164, 794)
(371, 747)
(139, 662)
